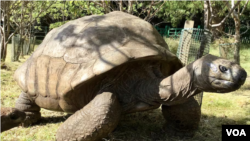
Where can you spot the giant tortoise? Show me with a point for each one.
(101, 67)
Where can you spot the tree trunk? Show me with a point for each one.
(2, 49)
(130, 6)
(206, 15)
(237, 39)
(3, 45)
(120, 5)
(8, 25)
(203, 44)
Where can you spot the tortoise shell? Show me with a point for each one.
(87, 47)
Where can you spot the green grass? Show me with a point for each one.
(217, 109)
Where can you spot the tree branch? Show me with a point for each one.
(2, 33)
(161, 23)
(229, 13)
(211, 12)
(97, 3)
(10, 37)
(244, 7)
(148, 15)
(40, 13)
(157, 2)
(222, 32)
(246, 30)
(156, 11)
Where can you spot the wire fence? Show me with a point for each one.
(194, 43)
(168, 32)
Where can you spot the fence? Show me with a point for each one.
(170, 32)
(194, 43)
(176, 32)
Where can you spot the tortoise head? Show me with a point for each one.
(11, 117)
(214, 74)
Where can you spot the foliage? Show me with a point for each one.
(63, 11)
(20, 15)
(174, 11)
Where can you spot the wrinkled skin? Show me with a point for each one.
(11, 117)
(210, 74)
(101, 67)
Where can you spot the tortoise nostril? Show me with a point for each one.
(243, 76)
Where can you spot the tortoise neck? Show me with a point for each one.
(178, 87)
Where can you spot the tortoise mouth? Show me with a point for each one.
(223, 86)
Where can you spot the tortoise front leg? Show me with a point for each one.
(94, 121)
(32, 110)
(182, 120)
(10, 118)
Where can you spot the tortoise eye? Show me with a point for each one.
(223, 69)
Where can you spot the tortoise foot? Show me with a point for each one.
(31, 118)
(183, 119)
(10, 118)
(32, 111)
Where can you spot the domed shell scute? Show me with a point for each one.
(87, 47)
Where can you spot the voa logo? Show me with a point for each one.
(236, 132)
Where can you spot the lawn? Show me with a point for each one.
(217, 109)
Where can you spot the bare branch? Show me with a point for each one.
(10, 37)
(157, 10)
(211, 12)
(222, 32)
(97, 3)
(244, 7)
(161, 23)
(229, 13)
(247, 28)
(2, 33)
(148, 15)
(158, 2)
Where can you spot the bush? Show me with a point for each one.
(172, 44)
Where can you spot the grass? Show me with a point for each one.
(217, 109)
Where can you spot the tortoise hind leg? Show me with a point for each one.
(94, 121)
(182, 120)
(32, 111)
